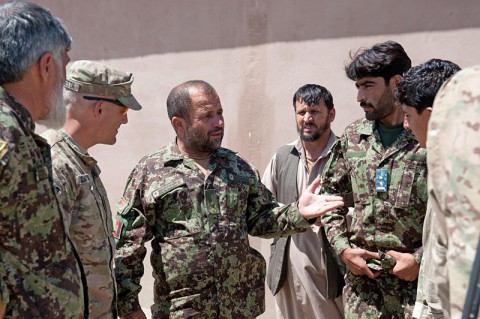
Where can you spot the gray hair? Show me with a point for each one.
(27, 31)
(71, 98)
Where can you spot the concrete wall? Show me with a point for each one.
(256, 53)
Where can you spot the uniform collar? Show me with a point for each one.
(366, 127)
(173, 154)
(21, 112)
(331, 139)
(80, 151)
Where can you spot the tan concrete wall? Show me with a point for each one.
(256, 54)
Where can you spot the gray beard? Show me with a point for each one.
(57, 112)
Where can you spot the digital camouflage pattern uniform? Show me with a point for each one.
(454, 178)
(39, 274)
(381, 221)
(87, 218)
(202, 262)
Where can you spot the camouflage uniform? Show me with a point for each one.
(381, 221)
(87, 217)
(39, 274)
(202, 262)
(453, 179)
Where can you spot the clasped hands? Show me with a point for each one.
(406, 267)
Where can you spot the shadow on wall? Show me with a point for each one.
(111, 29)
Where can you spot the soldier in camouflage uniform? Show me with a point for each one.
(98, 98)
(385, 168)
(416, 93)
(40, 276)
(453, 180)
(199, 202)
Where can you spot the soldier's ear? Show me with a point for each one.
(395, 80)
(47, 68)
(331, 115)
(178, 124)
(428, 109)
(98, 109)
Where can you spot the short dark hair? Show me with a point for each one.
(27, 31)
(178, 101)
(384, 60)
(421, 83)
(312, 94)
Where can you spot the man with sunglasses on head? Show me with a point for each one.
(97, 98)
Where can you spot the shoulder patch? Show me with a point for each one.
(3, 148)
(123, 206)
(118, 229)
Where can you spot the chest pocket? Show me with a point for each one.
(357, 162)
(35, 181)
(410, 176)
(38, 178)
(237, 196)
(176, 214)
(88, 210)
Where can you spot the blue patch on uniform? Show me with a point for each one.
(381, 180)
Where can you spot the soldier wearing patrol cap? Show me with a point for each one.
(98, 98)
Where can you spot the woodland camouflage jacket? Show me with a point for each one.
(202, 261)
(381, 221)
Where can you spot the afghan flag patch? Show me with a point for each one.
(118, 229)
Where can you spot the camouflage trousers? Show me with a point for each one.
(387, 296)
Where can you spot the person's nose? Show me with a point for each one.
(361, 96)
(308, 117)
(220, 121)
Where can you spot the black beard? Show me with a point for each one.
(385, 106)
(200, 143)
(310, 138)
(315, 136)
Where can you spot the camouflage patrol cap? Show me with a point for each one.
(99, 79)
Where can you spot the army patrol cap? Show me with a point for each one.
(95, 78)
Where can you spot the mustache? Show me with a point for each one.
(365, 104)
(308, 125)
(218, 130)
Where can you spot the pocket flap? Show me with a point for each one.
(168, 187)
